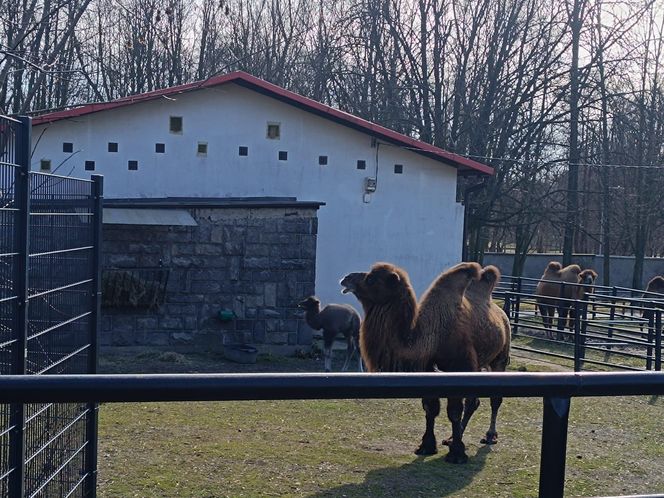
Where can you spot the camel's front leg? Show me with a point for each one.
(431, 409)
(457, 452)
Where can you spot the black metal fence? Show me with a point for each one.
(50, 229)
(612, 327)
(556, 389)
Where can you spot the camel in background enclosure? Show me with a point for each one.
(557, 289)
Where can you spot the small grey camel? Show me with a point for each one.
(334, 319)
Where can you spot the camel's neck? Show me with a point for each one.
(387, 334)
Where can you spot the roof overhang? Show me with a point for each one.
(464, 165)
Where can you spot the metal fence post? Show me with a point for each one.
(507, 308)
(651, 334)
(658, 340)
(612, 314)
(577, 337)
(22, 240)
(562, 305)
(582, 325)
(554, 447)
(517, 306)
(95, 321)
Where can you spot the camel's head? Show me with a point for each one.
(587, 277)
(311, 303)
(380, 285)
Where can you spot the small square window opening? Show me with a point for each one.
(202, 149)
(283, 155)
(160, 148)
(273, 131)
(243, 151)
(89, 165)
(132, 165)
(112, 146)
(45, 165)
(398, 169)
(322, 160)
(361, 164)
(67, 147)
(175, 125)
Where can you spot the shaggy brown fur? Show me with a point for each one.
(654, 287)
(558, 282)
(455, 328)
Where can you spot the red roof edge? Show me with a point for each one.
(262, 86)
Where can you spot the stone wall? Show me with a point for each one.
(256, 262)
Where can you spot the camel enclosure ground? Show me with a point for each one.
(358, 448)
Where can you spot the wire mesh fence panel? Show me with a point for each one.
(49, 280)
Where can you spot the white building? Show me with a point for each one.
(387, 197)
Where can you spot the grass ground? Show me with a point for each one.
(359, 448)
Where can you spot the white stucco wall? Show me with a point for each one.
(412, 219)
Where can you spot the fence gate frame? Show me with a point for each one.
(50, 296)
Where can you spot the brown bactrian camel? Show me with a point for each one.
(558, 282)
(455, 328)
(654, 287)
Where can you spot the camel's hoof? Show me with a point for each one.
(490, 438)
(425, 450)
(456, 457)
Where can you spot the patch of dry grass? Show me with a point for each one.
(363, 448)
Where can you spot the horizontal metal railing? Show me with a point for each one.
(624, 324)
(556, 389)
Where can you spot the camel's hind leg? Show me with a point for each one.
(546, 319)
(492, 434)
(499, 365)
(431, 409)
(563, 311)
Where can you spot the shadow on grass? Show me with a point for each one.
(425, 476)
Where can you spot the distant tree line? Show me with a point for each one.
(564, 99)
